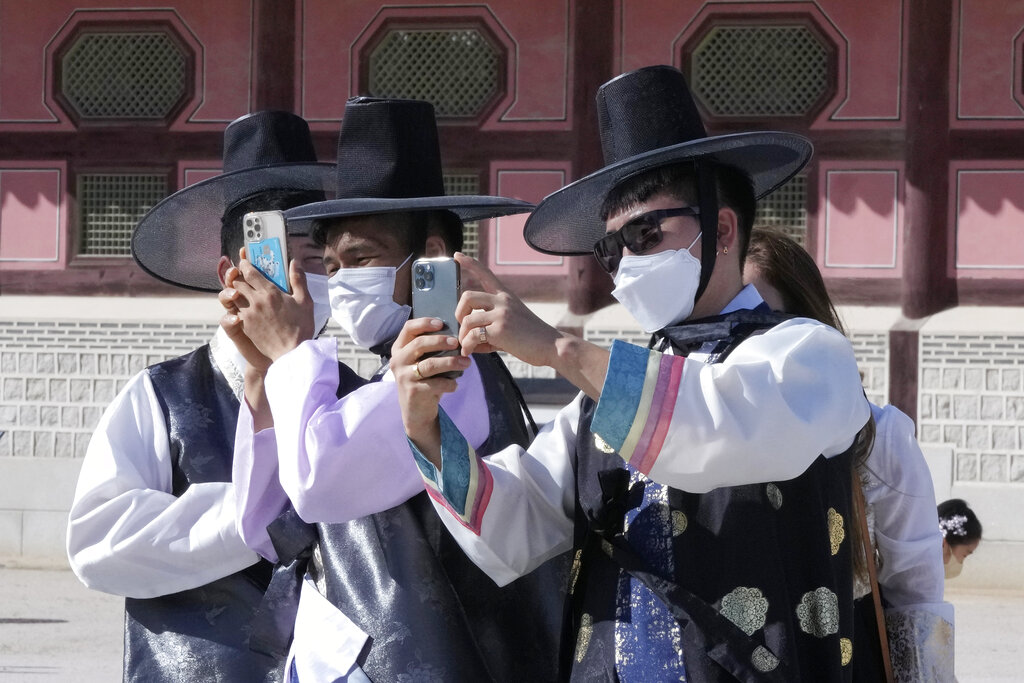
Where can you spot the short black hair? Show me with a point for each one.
(449, 226)
(679, 180)
(414, 226)
(231, 234)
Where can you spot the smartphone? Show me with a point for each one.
(266, 244)
(435, 293)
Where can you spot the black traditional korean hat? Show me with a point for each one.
(178, 240)
(647, 119)
(389, 160)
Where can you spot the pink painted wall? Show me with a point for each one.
(868, 36)
(509, 252)
(986, 83)
(988, 213)
(220, 34)
(858, 213)
(861, 225)
(33, 215)
(192, 172)
(537, 41)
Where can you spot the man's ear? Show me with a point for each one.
(728, 229)
(222, 269)
(435, 247)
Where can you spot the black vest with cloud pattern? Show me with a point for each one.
(761, 589)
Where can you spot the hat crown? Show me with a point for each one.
(388, 149)
(267, 138)
(644, 110)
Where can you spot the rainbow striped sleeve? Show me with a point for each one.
(637, 400)
(464, 484)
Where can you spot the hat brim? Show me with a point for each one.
(568, 221)
(466, 207)
(178, 240)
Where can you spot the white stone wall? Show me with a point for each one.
(59, 376)
(971, 398)
(63, 359)
(971, 425)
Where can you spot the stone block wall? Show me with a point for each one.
(60, 365)
(872, 351)
(971, 398)
(59, 376)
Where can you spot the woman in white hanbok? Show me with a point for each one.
(902, 523)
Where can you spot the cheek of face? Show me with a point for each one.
(963, 551)
(308, 255)
(403, 285)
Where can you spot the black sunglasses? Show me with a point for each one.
(638, 235)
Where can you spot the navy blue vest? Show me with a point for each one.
(429, 612)
(199, 634)
(761, 586)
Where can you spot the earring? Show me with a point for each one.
(725, 250)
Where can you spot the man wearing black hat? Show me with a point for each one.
(704, 486)
(154, 514)
(384, 592)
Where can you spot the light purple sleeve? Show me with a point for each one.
(258, 494)
(341, 459)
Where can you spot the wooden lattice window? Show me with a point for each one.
(114, 74)
(458, 69)
(110, 204)
(761, 71)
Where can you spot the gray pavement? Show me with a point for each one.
(54, 629)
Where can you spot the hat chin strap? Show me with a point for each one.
(707, 202)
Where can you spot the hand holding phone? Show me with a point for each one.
(266, 243)
(435, 294)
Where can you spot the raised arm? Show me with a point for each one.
(260, 498)
(766, 413)
(510, 511)
(254, 471)
(127, 533)
(344, 457)
(491, 318)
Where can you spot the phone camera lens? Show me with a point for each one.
(429, 276)
(420, 283)
(249, 222)
(419, 269)
(250, 233)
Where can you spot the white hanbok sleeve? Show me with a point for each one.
(260, 499)
(512, 510)
(765, 413)
(901, 497)
(343, 458)
(127, 533)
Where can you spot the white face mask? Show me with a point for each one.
(317, 286)
(658, 289)
(362, 302)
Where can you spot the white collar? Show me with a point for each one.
(748, 298)
(229, 360)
